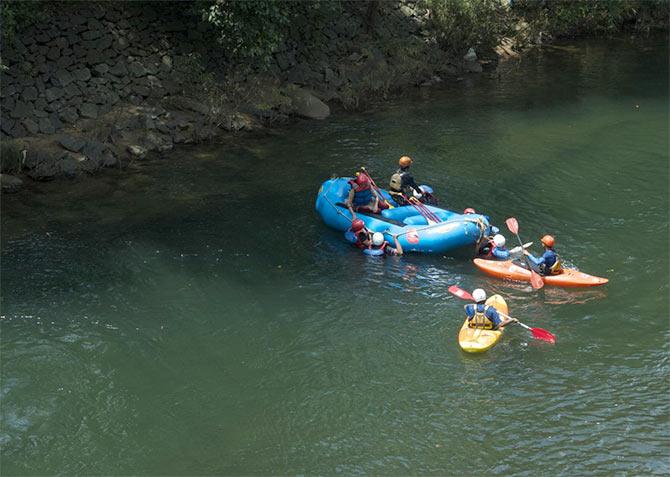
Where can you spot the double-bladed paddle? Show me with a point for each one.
(535, 279)
(538, 333)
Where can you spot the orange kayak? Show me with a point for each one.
(507, 269)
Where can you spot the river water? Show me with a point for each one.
(194, 316)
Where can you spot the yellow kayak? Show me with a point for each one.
(477, 340)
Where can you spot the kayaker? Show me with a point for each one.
(362, 198)
(494, 247)
(402, 185)
(481, 315)
(548, 263)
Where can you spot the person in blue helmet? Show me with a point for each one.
(548, 263)
(481, 315)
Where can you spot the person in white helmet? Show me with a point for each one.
(494, 248)
(379, 246)
(481, 315)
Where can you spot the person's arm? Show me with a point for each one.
(500, 253)
(536, 261)
(398, 248)
(498, 320)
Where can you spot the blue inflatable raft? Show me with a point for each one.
(415, 232)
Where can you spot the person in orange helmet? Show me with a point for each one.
(548, 263)
(402, 183)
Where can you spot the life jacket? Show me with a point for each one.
(396, 184)
(479, 320)
(362, 194)
(555, 268)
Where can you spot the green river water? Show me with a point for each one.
(195, 316)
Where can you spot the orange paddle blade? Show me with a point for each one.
(512, 225)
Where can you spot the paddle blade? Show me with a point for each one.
(544, 335)
(536, 280)
(460, 293)
(512, 225)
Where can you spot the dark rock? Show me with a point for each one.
(155, 141)
(141, 90)
(29, 94)
(82, 74)
(187, 104)
(7, 90)
(40, 104)
(52, 94)
(136, 69)
(65, 61)
(18, 130)
(101, 69)
(54, 53)
(119, 69)
(72, 90)
(61, 78)
(72, 143)
(91, 35)
(21, 110)
(7, 124)
(88, 110)
(68, 165)
(77, 19)
(61, 42)
(41, 113)
(10, 184)
(31, 126)
(46, 127)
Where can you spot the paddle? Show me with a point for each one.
(535, 279)
(538, 333)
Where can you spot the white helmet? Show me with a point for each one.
(377, 239)
(499, 240)
(479, 295)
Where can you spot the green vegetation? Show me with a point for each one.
(460, 24)
(253, 29)
(568, 18)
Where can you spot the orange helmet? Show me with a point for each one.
(469, 210)
(405, 161)
(547, 241)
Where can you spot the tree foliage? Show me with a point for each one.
(253, 29)
(460, 24)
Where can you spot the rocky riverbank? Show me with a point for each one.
(100, 85)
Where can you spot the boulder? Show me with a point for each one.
(72, 143)
(62, 77)
(10, 184)
(29, 94)
(305, 104)
(46, 126)
(31, 126)
(88, 110)
(69, 115)
(82, 74)
(136, 151)
(52, 94)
